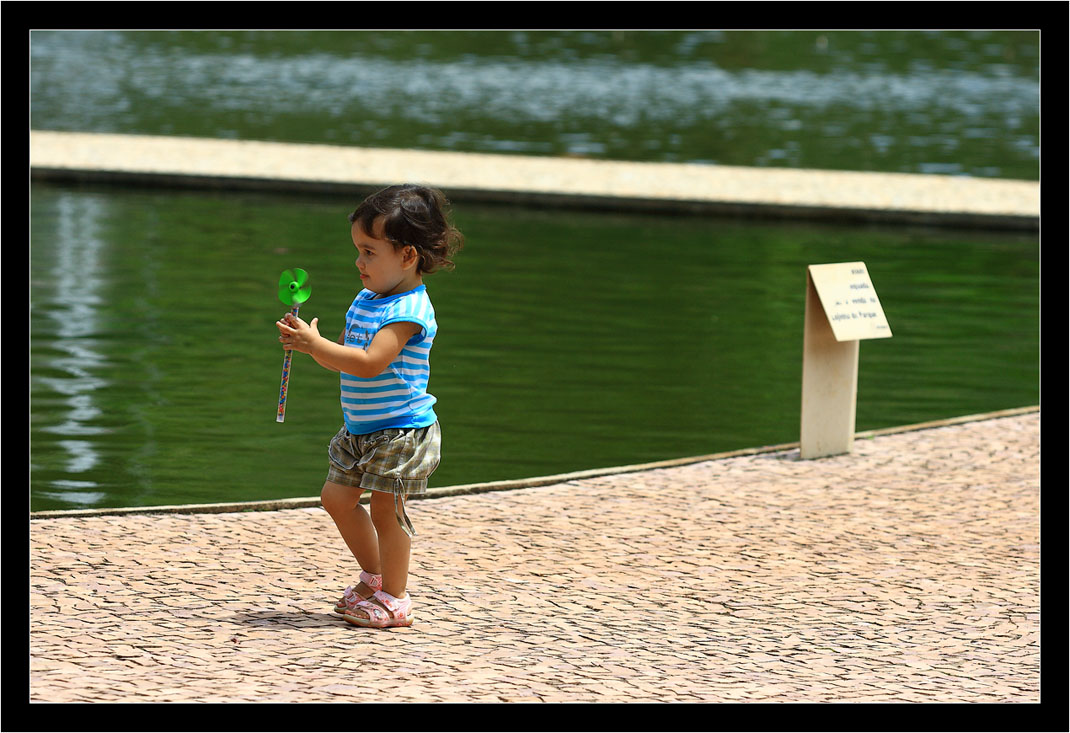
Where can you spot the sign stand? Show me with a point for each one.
(841, 308)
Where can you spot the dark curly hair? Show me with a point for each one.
(415, 216)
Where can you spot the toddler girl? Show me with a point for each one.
(389, 442)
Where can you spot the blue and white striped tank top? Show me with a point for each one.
(398, 397)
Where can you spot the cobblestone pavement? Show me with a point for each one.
(907, 571)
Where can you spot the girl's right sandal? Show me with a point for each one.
(350, 598)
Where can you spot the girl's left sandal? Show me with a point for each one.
(384, 612)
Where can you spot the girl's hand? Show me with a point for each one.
(296, 334)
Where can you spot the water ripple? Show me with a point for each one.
(73, 309)
(353, 92)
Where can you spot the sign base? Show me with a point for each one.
(829, 384)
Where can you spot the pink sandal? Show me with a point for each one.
(351, 598)
(384, 611)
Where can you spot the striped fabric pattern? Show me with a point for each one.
(396, 398)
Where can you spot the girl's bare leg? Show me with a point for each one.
(394, 544)
(356, 527)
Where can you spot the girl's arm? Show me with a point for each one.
(384, 348)
(328, 366)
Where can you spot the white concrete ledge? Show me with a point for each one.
(764, 192)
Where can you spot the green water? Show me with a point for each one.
(951, 102)
(567, 341)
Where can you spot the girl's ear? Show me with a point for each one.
(411, 256)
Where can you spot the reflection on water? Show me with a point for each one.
(567, 341)
(956, 103)
(75, 271)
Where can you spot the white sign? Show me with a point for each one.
(849, 301)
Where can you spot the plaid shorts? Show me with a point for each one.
(395, 460)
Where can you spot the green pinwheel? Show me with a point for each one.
(293, 287)
(293, 291)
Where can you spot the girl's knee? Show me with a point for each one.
(382, 508)
(339, 498)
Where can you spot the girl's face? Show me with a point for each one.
(383, 269)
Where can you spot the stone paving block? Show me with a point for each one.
(907, 571)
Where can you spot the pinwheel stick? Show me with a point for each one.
(293, 291)
(281, 416)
